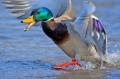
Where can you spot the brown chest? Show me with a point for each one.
(59, 35)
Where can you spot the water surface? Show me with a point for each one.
(31, 54)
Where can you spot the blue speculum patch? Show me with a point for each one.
(98, 25)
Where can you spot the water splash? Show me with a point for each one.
(114, 58)
(89, 66)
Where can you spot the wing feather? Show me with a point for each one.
(69, 13)
(99, 35)
(23, 8)
(19, 7)
(91, 30)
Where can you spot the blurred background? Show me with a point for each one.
(31, 54)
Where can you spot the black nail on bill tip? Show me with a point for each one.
(21, 21)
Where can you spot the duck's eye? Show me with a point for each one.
(38, 12)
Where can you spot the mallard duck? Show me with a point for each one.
(84, 37)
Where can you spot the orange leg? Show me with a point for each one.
(74, 62)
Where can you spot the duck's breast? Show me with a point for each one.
(58, 35)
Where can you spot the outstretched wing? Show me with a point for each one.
(90, 29)
(23, 8)
(19, 8)
(96, 34)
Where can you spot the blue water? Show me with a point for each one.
(31, 54)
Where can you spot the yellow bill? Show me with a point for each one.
(30, 21)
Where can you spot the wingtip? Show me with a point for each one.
(89, 7)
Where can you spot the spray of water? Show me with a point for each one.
(113, 60)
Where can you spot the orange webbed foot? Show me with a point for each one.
(65, 65)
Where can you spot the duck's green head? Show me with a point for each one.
(41, 14)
